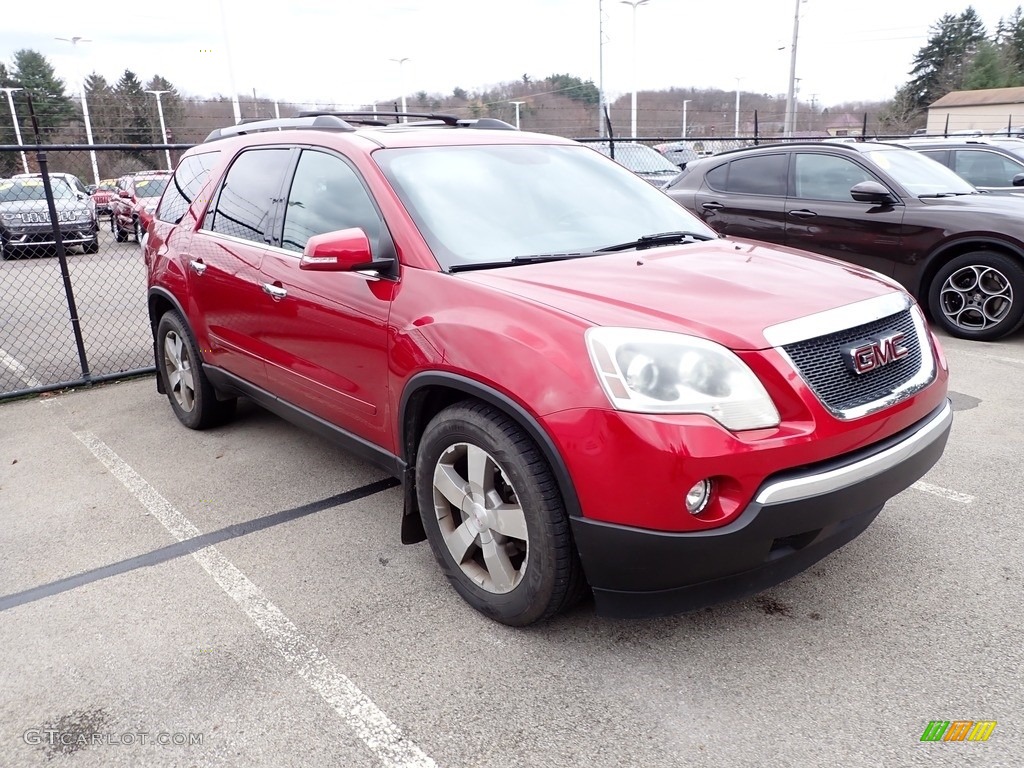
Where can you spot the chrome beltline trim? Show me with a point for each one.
(836, 479)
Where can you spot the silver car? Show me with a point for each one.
(25, 218)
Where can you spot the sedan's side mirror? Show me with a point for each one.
(1018, 180)
(870, 192)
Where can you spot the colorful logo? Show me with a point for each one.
(958, 730)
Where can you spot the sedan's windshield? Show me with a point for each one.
(151, 187)
(17, 191)
(476, 204)
(920, 175)
(639, 158)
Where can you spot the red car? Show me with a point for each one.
(137, 196)
(580, 385)
(103, 196)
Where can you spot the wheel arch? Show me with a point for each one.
(427, 394)
(951, 250)
(159, 302)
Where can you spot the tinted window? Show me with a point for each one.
(985, 169)
(188, 180)
(717, 177)
(245, 204)
(326, 195)
(825, 177)
(762, 175)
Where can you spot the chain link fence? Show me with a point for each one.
(72, 280)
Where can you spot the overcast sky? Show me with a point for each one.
(339, 51)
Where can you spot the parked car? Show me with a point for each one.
(988, 165)
(72, 181)
(678, 153)
(579, 383)
(137, 196)
(25, 218)
(103, 196)
(881, 206)
(647, 163)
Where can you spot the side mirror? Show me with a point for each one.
(345, 250)
(870, 192)
(1018, 180)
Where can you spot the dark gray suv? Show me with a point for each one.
(988, 165)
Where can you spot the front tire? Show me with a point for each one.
(92, 247)
(978, 295)
(190, 393)
(119, 234)
(138, 231)
(494, 516)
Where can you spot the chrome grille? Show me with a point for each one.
(820, 363)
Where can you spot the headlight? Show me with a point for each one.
(85, 215)
(648, 371)
(10, 218)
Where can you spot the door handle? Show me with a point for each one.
(197, 266)
(276, 292)
(712, 206)
(804, 214)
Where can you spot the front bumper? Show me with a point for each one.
(34, 236)
(795, 519)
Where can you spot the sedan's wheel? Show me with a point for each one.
(191, 395)
(978, 296)
(494, 517)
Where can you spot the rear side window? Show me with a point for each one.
(761, 175)
(247, 198)
(189, 178)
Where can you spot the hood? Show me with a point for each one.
(22, 206)
(728, 291)
(1011, 206)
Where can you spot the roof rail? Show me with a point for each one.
(320, 121)
(425, 119)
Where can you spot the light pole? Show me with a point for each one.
(790, 113)
(634, 4)
(736, 129)
(685, 102)
(14, 119)
(235, 106)
(600, 69)
(517, 103)
(163, 127)
(85, 109)
(401, 81)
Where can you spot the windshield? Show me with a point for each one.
(477, 204)
(639, 158)
(151, 187)
(16, 191)
(919, 174)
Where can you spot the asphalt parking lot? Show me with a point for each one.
(240, 597)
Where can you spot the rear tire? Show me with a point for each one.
(192, 396)
(494, 516)
(978, 295)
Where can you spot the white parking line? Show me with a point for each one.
(946, 493)
(998, 358)
(369, 722)
(12, 364)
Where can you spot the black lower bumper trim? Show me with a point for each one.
(637, 572)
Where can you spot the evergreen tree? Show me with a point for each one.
(941, 65)
(133, 108)
(103, 110)
(35, 74)
(990, 68)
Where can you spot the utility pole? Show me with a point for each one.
(790, 111)
(518, 104)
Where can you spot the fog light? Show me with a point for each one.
(698, 496)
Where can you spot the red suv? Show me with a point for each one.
(580, 384)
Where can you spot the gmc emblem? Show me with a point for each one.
(871, 353)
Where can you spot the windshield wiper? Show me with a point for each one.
(660, 238)
(517, 260)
